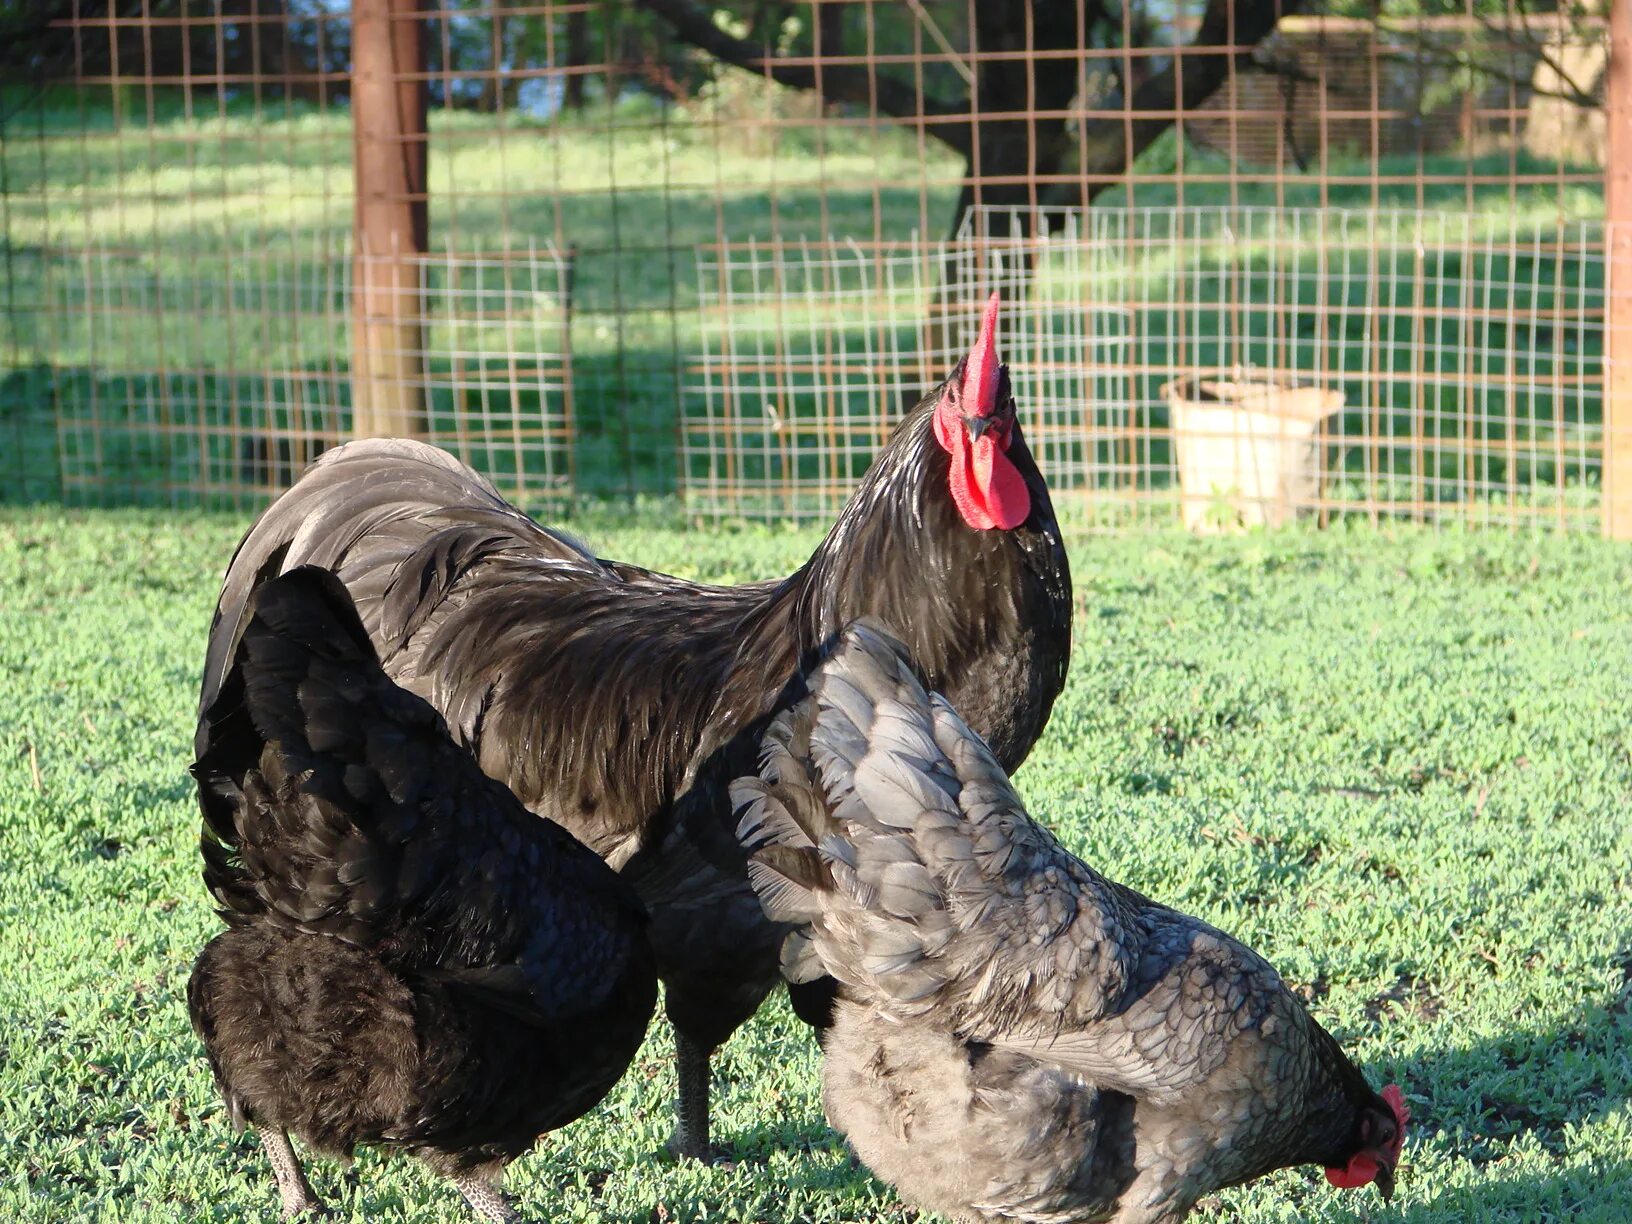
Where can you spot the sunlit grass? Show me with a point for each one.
(1395, 761)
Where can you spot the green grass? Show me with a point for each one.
(1395, 762)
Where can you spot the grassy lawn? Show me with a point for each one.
(1397, 763)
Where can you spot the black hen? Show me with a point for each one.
(412, 959)
(621, 702)
(1018, 1038)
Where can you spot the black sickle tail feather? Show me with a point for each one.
(338, 804)
(304, 618)
(375, 487)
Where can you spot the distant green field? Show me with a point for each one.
(158, 262)
(1398, 763)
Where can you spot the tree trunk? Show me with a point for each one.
(830, 29)
(577, 58)
(1008, 158)
(1020, 152)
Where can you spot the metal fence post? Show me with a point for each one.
(1618, 277)
(388, 111)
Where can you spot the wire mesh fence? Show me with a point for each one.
(666, 247)
(810, 352)
(1464, 357)
(219, 381)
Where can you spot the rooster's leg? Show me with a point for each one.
(293, 1188)
(690, 1138)
(486, 1199)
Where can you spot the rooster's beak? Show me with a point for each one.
(1385, 1180)
(977, 425)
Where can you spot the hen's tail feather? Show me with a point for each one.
(294, 776)
(302, 622)
(302, 653)
(347, 810)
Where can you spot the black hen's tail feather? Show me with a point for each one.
(336, 803)
(300, 627)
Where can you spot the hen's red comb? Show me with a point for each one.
(1402, 1117)
(980, 375)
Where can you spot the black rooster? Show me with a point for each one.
(621, 702)
(412, 958)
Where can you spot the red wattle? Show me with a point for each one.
(1360, 1171)
(987, 488)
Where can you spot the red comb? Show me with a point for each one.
(980, 375)
(1402, 1117)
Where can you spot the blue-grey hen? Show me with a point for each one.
(1017, 1037)
(412, 958)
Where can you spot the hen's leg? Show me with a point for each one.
(690, 1138)
(293, 1188)
(486, 1199)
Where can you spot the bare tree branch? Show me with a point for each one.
(835, 82)
(1520, 34)
(1183, 85)
(1571, 92)
(1582, 97)
(947, 49)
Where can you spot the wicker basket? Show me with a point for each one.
(1247, 448)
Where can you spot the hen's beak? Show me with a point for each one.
(1385, 1180)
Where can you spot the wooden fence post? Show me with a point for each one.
(1618, 276)
(388, 109)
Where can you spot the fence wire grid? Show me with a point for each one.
(1469, 356)
(256, 382)
(658, 247)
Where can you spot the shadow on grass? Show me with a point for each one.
(1593, 1193)
(85, 436)
(1530, 1082)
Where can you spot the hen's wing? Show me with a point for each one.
(336, 803)
(884, 825)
